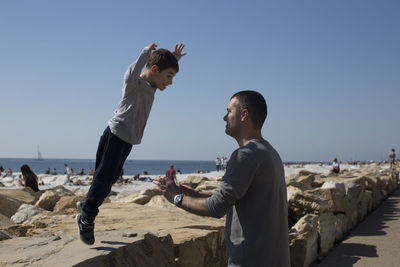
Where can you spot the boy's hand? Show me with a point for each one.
(152, 46)
(178, 50)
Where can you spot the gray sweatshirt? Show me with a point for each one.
(130, 118)
(253, 195)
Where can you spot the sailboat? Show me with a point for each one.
(39, 155)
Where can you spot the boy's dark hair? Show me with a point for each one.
(255, 104)
(163, 59)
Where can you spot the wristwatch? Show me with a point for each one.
(178, 199)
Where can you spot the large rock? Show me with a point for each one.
(48, 200)
(5, 221)
(4, 235)
(194, 181)
(8, 205)
(141, 197)
(303, 182)
(328, 230)
(136, 198)
(160, 202)
(335, 196)
(303, 241)
(61, 191)
(207, 186)
(25, 212)
(67, 204)
(202, 236)
(24, 195)
(202, 251)
(303, 203)
(113, 248)
(365, 205)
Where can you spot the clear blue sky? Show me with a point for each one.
(329, 70)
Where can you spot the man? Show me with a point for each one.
(171, 173)
(68, 171)
(252, 192)
(392, 158)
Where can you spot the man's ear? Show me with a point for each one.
(154, 69)
(244, 115)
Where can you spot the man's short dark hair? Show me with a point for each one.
(255, 104)
(163, 59)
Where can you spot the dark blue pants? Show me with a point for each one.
(110, 158)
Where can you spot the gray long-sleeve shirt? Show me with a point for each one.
(253, 195)
(130, 118)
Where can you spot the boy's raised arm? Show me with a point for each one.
(136, 67)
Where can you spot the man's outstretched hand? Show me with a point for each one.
(167, 187)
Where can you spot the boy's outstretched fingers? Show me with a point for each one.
(179, 49)
(152, 46)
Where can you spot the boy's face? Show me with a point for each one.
(161, 79)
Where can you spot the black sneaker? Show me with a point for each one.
(86, 230)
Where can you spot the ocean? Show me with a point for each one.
(131, 167)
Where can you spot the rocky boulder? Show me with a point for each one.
(303, 182)
(114, 248)
(194, 181)
(303, 241)
(9, 206)
(25, 212)
(328, 230)
(160, 202)
(141, 197)
(207, 186)
(24, 195)
(67, 204)
(48, 200)
(303, 203)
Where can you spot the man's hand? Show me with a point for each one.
(152, 46)
(166, 187)
(178, 51)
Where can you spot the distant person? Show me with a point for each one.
(81, 172)
(91, 172)
(1, 170)
(126, 127)
(218, 164)
(178, 171)
(252, 193)
(171, 174)
(30, 178)
(54, 171)
(392, 158)
(224, 163)
(335, 166)
(120, 178)
(9, 173)
(68, 171)
(47, 171)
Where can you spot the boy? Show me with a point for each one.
(126, 127)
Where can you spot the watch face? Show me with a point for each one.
(178, 199)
